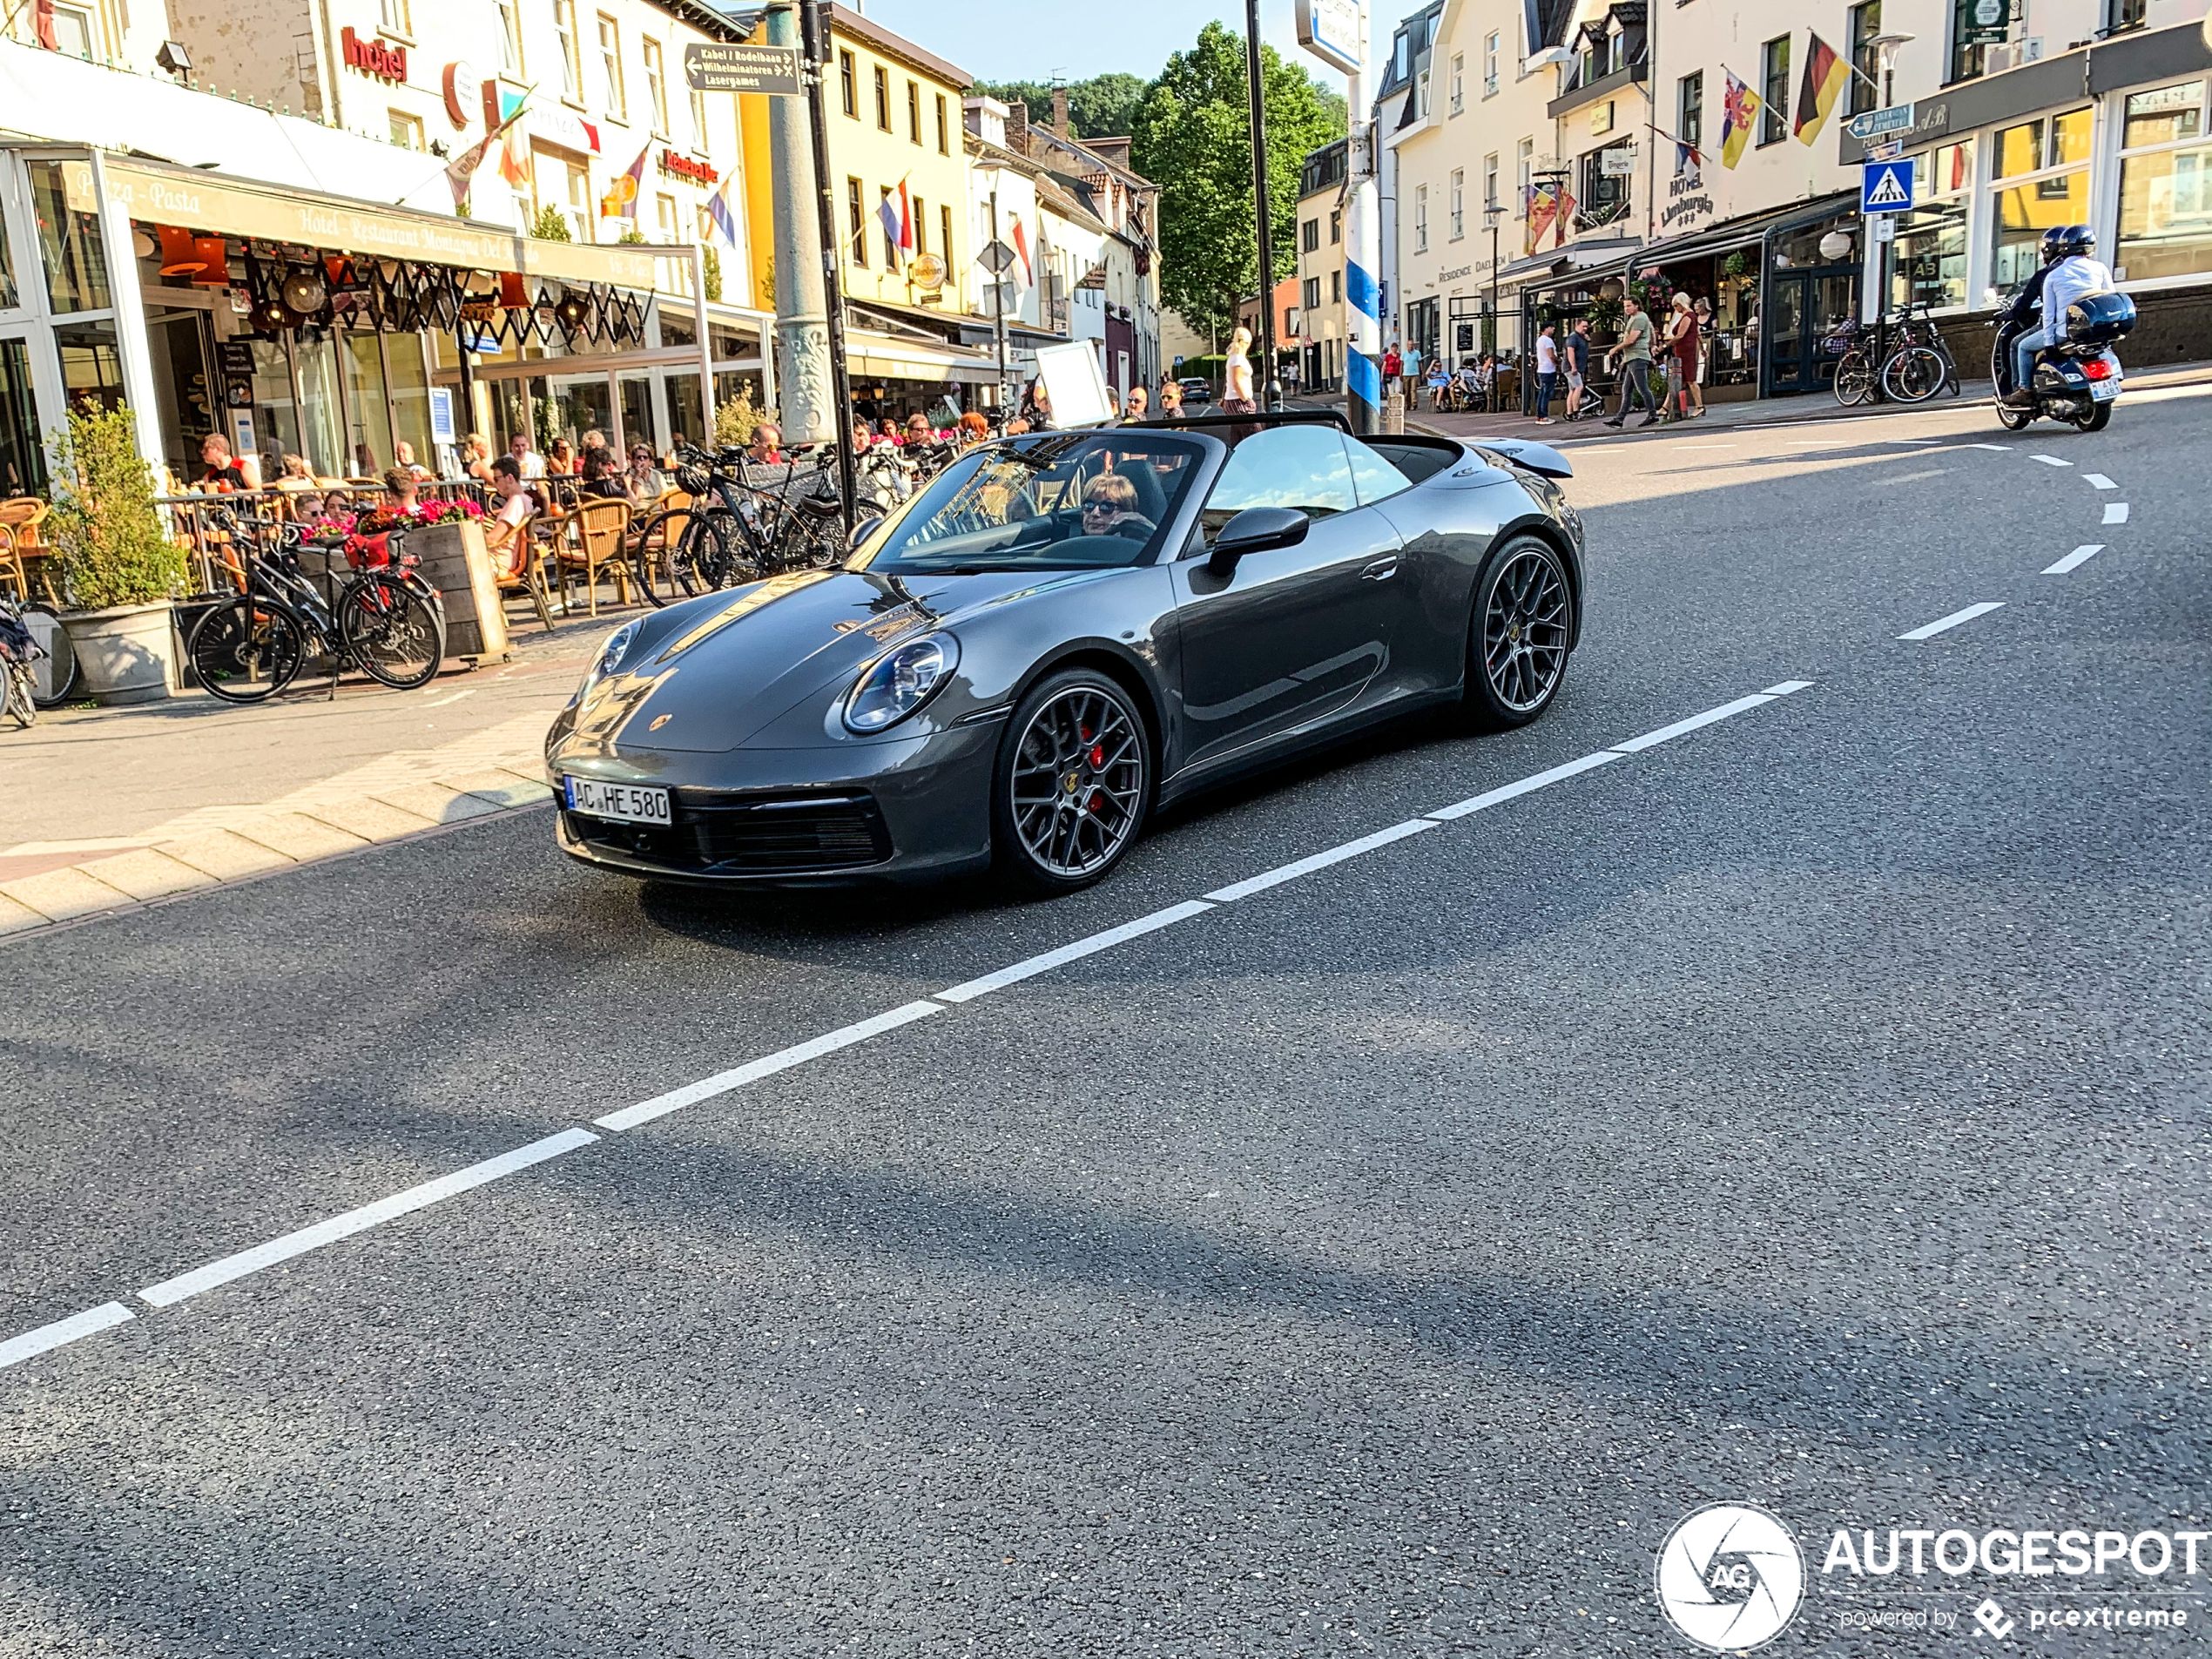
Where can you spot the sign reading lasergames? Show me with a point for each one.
(725, 66)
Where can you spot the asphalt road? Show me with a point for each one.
(1809, 1110)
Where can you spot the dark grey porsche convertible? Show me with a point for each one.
(1060, 633)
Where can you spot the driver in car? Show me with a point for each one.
(1110, 507)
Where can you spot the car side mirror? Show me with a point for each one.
(1257, 529)
(862, 530)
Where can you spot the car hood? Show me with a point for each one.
(707, 675)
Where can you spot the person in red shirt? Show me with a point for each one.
(1393, 365)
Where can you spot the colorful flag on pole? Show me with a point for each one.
(1542, 204)
(42, 16)
(513, 153)
(1826, 75)
(722, 211)
(462, 170)
(621, 199)
(905, 221)
(1738, 112)
(1022, 247)
(886, 212)
(1562, 221)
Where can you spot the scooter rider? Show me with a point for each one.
(2069, 271)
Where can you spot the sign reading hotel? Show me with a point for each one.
(386, 62)
(723, 66)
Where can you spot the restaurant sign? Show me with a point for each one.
(378, 57)
(682, 166)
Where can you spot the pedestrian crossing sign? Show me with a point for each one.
(1886, 186)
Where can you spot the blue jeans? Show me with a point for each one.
(1545, 385)
(2024, 350)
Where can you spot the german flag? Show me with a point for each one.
(1826, 77)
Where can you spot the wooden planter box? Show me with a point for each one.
(453, 559)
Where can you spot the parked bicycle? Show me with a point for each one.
(745, 521)
(19, 656)
(35, 651)
(385, 618)
(1917, 367)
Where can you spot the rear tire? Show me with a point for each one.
(397, 636)
(247, 649)
(1854, 381)
(54, 676)
(1914, 375)
(1517, 635)
(2100, 418)
(1073, 784)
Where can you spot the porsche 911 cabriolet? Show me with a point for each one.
(1057, 634)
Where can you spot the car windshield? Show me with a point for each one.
(1057, 501)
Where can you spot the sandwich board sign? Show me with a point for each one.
(1886, 186)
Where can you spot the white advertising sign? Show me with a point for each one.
(1335, 32)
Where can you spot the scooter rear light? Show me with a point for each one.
(2097, 370)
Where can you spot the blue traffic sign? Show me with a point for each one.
(1886, 186)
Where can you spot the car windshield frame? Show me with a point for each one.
(1043, 473)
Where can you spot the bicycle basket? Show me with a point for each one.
(16, 645)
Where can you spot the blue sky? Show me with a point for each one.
(1032, 40)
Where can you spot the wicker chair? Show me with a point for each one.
(516, 544)
(23, 554)
(599, 543)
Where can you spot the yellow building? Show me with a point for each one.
(896, 124)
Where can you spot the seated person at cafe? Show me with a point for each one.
(767, 445)
(476, 457)
(403, 456)
(397, 505)
(507, 532)
(220, 471)
(645, 482)
(603, 476)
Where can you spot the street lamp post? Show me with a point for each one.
(1491, 213)
(1271, 396)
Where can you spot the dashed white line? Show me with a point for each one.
(783, 1060)
(1910, 477)
(2080, 556)
(456, 698)
(969, 990)
(49, 1337)
(1942, 624)
(1916, 440)
(2098, 481)
(2051, 461)
(172, 1291)
(1681, 728)
(2115, 512)
(1281, 873)
(1999, 449)
(1524, 786)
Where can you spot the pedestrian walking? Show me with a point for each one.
(1236, 397)
(1547, 372)
(1578, 367)
(1393, 365)
(1681, 375)
(1632, 353)
(1413, 387)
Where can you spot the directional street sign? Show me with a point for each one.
(724, 66)
(1333, 31)
(996, 257)
(1874, 123)
(1886, 186)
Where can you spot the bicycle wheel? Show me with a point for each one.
(1914, 375)
(247, 649)
(652, 555)
(1854, 383)
(712, 554)
(53, 677)
(396, 635)
(16, 694)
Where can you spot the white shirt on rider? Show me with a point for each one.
(2071, 278)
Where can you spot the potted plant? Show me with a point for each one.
(118, 562)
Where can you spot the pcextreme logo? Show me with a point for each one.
(1730, 1578)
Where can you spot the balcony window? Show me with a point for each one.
(1774, 87)
(655, 86)
(1459, 203)
(611, 66)
(1420, 219)
(1866, 28)
(1490, 65)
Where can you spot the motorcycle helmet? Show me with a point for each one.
(2061, 240)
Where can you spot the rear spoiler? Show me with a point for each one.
(1532, 457)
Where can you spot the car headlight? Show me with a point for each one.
(900, 683)
(610, 655)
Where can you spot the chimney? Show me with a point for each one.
(1017, 127)
(1060, 112)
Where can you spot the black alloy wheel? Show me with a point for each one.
(1073, 784)
(1524, 616)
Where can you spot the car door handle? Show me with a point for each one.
(1380, 570)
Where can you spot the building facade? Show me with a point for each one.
(1320, 268)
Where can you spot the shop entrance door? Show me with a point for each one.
(1801, 307)
(23, 458)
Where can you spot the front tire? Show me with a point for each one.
(1517, 636)
(1073, 784)
(21, 707)
(247, 649)
(1914, 375)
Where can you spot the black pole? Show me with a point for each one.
(812, 43)
(1271, 391)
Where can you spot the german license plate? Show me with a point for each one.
(2103, 391)
(628, 803)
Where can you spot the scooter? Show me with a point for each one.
(2076, 381)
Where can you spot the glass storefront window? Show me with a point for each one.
(2165, 186)
(509, 416)
(23, 459)
(637, 422)
(11, 296)
(2024, 213)
(1930, 267)
(276, 422)
(410, 387)
(581, 406)
(91, 367)
(319, 409)
(2058, 141)
(677, 331)
(686, 414)
(67, 210)
(182, 394)
(368, 432)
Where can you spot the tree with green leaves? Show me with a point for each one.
(1102, 107)
(1192, 138)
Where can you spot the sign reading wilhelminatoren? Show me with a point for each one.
(720, 66)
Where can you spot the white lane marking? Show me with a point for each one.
(1952, 620)
(2098, 481)
(1912, 477)
(1666, 734)
(1528, 786)
(1916, 440)
(969, 990)
(2115, 512)
(2080, 556)
(456, 698)
(172, 1291)
(1281, 873)
(47, 1336)
(2051, 461)
(753, 1070)
(2002, 449)
(1706, 446)
(1789, 688)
